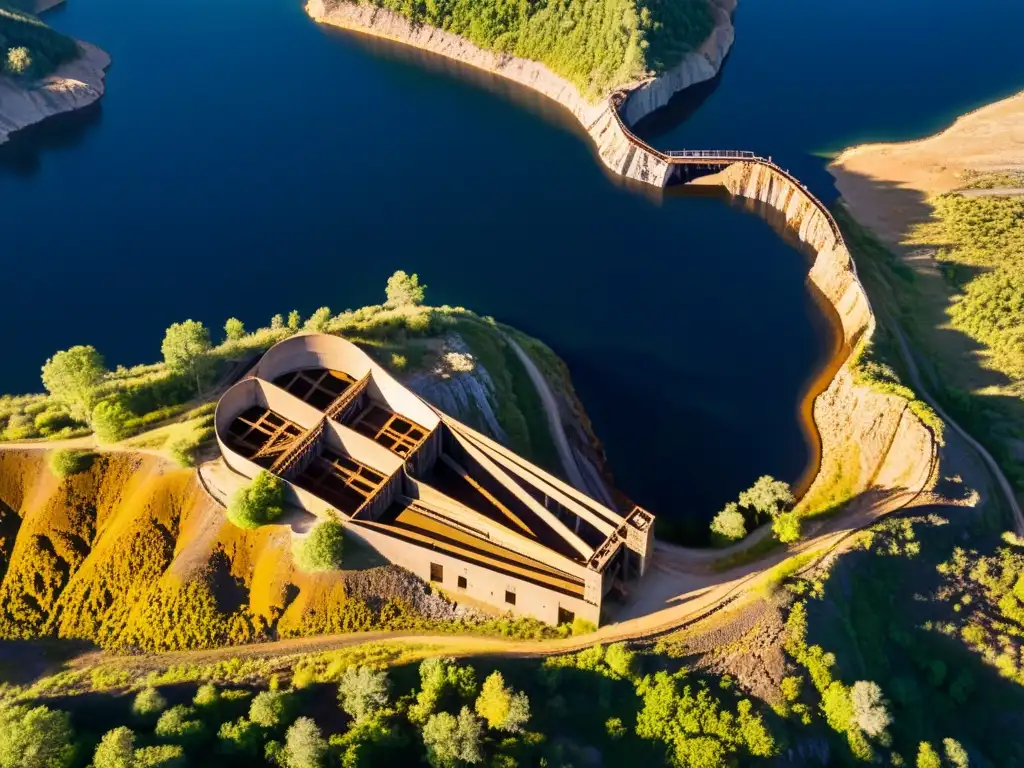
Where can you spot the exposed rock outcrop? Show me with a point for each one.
(871, 440)
(598, 117)
(73, 86)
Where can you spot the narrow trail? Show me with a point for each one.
(547, 397)
(917, 383)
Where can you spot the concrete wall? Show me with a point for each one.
(483, 584)
(322, 351)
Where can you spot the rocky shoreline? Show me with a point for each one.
(869, 439)
(74, 85)
(599, 118)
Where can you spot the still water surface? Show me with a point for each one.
(246, 162)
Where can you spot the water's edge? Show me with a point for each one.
(871, 436)
(74, 85)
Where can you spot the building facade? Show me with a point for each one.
(427, 492)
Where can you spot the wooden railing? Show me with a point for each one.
(722, 157)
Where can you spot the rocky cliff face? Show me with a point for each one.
(74, 85)
(869, 439)
(599, 119)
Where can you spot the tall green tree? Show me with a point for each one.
(73, 376)
(363, 691)
(729, 525)
(36, 737)
(116, 749)
(500, 706)
(404, 290)
(294, 320)
(319, 320)
(234, 329)
(304, 745)
(186, 348)
(452, 741)
(767, 496)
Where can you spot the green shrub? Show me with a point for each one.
(234, 329)
(582, 627)
(241, 738)
(163, 756)
(259, 503)
(269, 709)
(52, 421)
(178, 725)
(110, 419)
(148, 702)
(65, 463)
(19, 61)
(322, 548)
(404, 290)
(398, 362)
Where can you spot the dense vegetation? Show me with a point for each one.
(28, 48)
(169, 405)
(349, 709)
(979, 244)
(909, 660)
(596, 44)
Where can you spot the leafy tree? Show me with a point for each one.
(241, 738)
(148, 702)
(322, 549)
(791, 688)
(729, 524)
(277, 322)
(162, 756)
(116, 749)
(176, 723)
(110, 419)
(36, 737)
(319, 320)
(258, 503)
(620, 660)
(438, 677)
(927, 757)
(67, 462)
(614, 728)
(405, 290)
(956, 755)
(363, 691)
(186, 348)
(451, 741)
(269, 709)
(73, 376)
(304, 746)
(207, 695)
(870, 709)
(294, 320)
(234, 329)
(767, 496)
(502, 707)
(19, 61)
(786, 527)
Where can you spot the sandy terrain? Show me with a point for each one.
(886, 185)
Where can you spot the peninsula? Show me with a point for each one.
(43, 73)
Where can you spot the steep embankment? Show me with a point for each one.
(869, 440)
(597, 116)
(133, 554)
(72, 86)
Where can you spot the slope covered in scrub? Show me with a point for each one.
(595, 44)
(132, 554)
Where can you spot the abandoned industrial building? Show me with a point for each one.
(425, 491)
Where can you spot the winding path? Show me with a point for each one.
(917, 383)
(550, 403)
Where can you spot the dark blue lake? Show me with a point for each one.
(246, 162)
